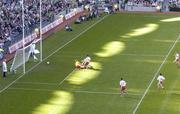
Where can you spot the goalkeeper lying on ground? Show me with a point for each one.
(78, 65)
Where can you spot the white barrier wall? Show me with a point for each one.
(19, 44)
(73, 13)
(45, 29)
(52, 25)
(140, 8)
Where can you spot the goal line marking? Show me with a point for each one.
(36, 83)
(76, 91)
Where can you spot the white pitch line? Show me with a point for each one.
(105, 93)
(171, 48)
(66, 77)
(145, 55)
(37, 83)
(31, 89)
(53, 53)
(78, 91)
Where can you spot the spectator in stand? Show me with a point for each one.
(174, 4)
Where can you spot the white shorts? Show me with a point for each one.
(160, 82)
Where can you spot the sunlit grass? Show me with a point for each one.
(148, 28)
(83, 76)
(60, 103)
(111, 49)
(171, 19)
(135, 57)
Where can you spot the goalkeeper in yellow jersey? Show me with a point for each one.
(78, 65)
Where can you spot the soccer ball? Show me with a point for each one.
(48, 62)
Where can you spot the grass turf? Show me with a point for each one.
(128, 45)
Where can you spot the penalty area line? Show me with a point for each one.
(105, 93)
(156, 73)
(60, 83)
(36, 83)
(31, 89)
(11, 83)
(75, 91)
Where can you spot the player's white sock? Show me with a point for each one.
(161, 86)
(35, 58)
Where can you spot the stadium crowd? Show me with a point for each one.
(174, 3)
(11, 15)
(149, 3)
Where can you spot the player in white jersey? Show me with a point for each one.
(122, 84)
(160, 79)
(86, 62)
(32, 50)
(4, 68)
(176, 60)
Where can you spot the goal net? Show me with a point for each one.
(18, 58)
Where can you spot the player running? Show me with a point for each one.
(160, 79)
(122, 84)
(176, 60)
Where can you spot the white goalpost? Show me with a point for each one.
(22, 55)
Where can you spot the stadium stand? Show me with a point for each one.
(51, 15)
(150, 5)
(11, 17)
(174, 5)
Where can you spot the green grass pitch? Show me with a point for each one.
(135, 46)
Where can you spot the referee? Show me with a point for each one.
(4, 68)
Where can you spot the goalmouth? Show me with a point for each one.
(21, 57)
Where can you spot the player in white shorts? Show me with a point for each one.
(160, 79)
(122, 84)
(176, 60)
(32, 50)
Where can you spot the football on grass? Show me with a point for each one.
(48, 62)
